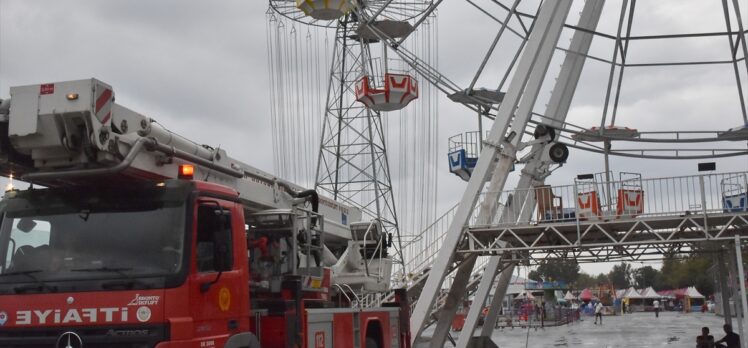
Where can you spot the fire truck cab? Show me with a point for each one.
(133, 236)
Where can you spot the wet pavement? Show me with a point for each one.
(671, 329)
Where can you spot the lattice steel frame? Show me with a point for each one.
(599, 241)
(352, 166)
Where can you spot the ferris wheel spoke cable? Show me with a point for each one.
(273, 115)
(291, 102)
(611, 74)
(733, 49)
(481, 9)
(518, 14)
(493, 44)
(624, 52)
(306, 102)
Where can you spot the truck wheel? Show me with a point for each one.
(371, 343)
(243, 340)
(559, 153)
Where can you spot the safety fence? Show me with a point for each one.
(594, 198)
(521, 317)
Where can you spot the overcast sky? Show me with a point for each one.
(200, 68)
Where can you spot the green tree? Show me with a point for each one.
(534, 275)
(556, 270)
(680, 272)
(621, 275)
(647, 276)
(585, 280)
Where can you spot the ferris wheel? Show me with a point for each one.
(386, 74)
(609, 98)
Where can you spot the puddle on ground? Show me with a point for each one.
(672, 339)
(561, 342)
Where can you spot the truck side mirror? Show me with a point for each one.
(222, 246)
(217, 232)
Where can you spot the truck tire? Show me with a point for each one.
(243, 340)
(371, 343)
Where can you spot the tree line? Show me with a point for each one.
(676, 272)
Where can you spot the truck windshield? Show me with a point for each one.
(125, 237)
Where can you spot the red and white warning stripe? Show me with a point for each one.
(103, 103)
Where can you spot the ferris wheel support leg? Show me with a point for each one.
(741, 287)
(536, 169)
(724, 291)
(535, 59)
(455, 295)
(479, 301)
(497, 300)
(734, 289)
(558, 107)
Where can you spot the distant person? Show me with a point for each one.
(731, 339)
(705, 340)
(656, 305)
(599, 312)
(542, 306)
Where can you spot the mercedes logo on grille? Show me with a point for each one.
(69, 340)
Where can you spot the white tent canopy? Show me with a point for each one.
(693, 293)
(569, 296)
(631, 293)
(650, 293)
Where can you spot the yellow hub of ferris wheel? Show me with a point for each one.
(324, 9)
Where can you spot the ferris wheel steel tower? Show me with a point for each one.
(352, 162)
(352, 166)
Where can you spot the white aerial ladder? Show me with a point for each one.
(73, 133)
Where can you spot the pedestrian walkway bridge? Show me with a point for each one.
(592, 220)
(626, 219)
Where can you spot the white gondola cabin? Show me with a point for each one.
(397, 92)
(325, 10)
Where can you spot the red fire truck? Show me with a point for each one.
(133, 236)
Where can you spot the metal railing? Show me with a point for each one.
(420, 252)
(378, 254)
(554, 316)
(626, 198)
(468, 141)
(312, 241)
(378, 70)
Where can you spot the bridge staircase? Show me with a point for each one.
(420, 252)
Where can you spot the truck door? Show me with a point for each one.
(216, 276)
